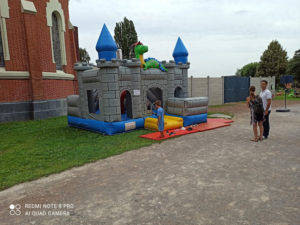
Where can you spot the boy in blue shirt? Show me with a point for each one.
(160, 118)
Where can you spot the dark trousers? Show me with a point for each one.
(266, 125)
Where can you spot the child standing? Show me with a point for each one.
(160, 118)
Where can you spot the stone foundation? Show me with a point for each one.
(18, 111)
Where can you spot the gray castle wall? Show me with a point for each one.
(113, 77)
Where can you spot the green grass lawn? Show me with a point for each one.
(225, 113)
(281, 97)
(223, 105)
(32, 149)
(36, 148)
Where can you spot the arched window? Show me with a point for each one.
(2, 62)
(56, 22)
(4, 50)
(56, 43)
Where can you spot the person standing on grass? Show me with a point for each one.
(254, 102)
(266, 96)
(160, 118)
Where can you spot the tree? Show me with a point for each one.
(84, 55)
(294, 65)
(125, 36)
(273, 62)
(248, 70)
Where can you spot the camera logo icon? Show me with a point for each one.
(15, 209)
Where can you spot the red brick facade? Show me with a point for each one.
(30, 50)
(15, 90)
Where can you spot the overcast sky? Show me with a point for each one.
(220, 35)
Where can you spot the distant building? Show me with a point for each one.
(38, 48)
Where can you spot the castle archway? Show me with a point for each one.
(178, 93)
(126, 104)
(153, 94)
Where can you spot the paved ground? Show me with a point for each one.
(211, 178)
(238, 107)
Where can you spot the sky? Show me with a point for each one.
(220, 35)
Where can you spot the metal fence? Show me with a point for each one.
(236, 88)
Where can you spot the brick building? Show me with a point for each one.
(38, 48)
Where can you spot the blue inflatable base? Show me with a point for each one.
(111, 128)
(108, 128)
(194, 119)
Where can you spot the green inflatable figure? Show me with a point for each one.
(139, 50)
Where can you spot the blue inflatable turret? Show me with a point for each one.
(106, 46)
(180, 53)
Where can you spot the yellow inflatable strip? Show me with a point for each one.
(171, 122)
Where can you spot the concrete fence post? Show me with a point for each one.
(207, 86)
(223, 90)
(191, 86)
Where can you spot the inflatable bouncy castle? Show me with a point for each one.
(118, 95)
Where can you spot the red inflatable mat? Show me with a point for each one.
(211, 124)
